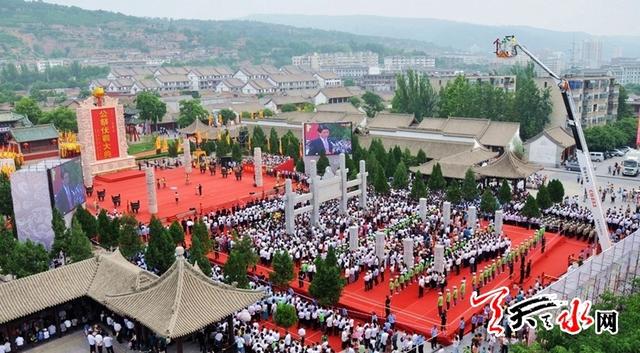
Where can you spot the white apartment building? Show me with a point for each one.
(625, 70)
(401, 63)
(318, 61)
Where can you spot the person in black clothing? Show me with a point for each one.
(443, 320)
(528, 270)
(387, 306)
(544, 242)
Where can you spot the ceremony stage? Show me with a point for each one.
(420, 314)
(217, 192)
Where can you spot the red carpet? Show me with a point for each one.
(217, 192)
(420, 314)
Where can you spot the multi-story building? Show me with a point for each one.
(293, 82)
(262, 72)
(382, 82)
(327, 79)
(506, 82)
(595, 97)
(317, 61)
(207, 78)
(44, 64)
(625, 70)
(591, 53)
(401, 63)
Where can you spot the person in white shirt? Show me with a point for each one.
(108, 343)
(99, 341)
(302, 332)
(19, 342)
(92, 342)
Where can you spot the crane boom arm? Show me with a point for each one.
(582, 151)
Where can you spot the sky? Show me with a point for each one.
(598, 17)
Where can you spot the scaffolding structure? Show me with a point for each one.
(613, 270)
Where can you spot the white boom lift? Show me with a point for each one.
(507, 48)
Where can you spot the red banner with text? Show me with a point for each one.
(105, 133)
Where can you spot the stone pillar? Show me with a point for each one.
(498, 221)
(446, 213)
(353, 238)
(150, 177)
(423, 209)
(380, 246)
(257, 164)
(363, 185)
(438, 258)
(472, 216)
(186, 147)
(289, 205)
(313, 186)
(407, 244)
(343, 184)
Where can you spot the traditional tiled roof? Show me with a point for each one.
(508, 166)
(390, 121)
(10, 117)
(232, 83)
(434, 149)
(173, 78)
(557, 135)
(455, 166)
(34, 133)
(282, 78)
(340, 108)
(183, 301)
(336, 92)
(282, 100)
(260, 84)
(499, 133)
(485, 131)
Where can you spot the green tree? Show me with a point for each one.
(327, 284)
(380, 183)
(29, 108)
(176, 232)
(222, 146)
(469, 191)
(418, 188)
(6, 200)
(286, 108)
(60, 236)
(7, 245)
(323, 163)
(242, 256)
(63, 118)
(106, 233)
(227, 116)
(421, 157)
(27, 258)
(300, 166)
(172, 148)
(198, 253)
(267, 112)
(160, 253)
(245, 115)
(285, 315)
(488, 203)
(355, 101)
(151, 108)
(436, 180)
(400, 177)
(236, 153)
(453, 193)
(531, 106)
(504, 193)
(79, 246)
(530, 208)
(556, 191)
(372, 104)
(190, 110)
(128, 239)
(282, 269)
(274, 142)
(414, 95)
(200, 231)
(624, 110)
(87, 221)
(456, 98)
(543, 199)
(308, 107)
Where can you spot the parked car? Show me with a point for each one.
(617, 153)
(625, 149)
(607, 154)
(597, 156)
(572, 166)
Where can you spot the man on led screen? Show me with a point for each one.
(64, 197)
(322, 143)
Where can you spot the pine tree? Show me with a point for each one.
(200, 231)
(60, 239)
(400, 177)
(236, 153)
(469, 190)
(556, 191)
(285, 315)
(274, 142)
(242, 257)
(7, 246)
(380, 183)
(176, 232)
(327, 284)
(87, 221)
(418, 189)
(530, 208)
(258, 138)
(421, 157)
(128, 239)
(160, 253)
(108, 238)
(282, 269)
(488, 203)
(27, 258)
(453, 192)
(197, 254)
(436, 180)
(79, 246)
(504, 193)
(543, 199)
(300, 166)
(322, 164)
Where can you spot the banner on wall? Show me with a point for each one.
(105, 133)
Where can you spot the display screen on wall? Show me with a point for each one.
(66, 185)
(330, 138)
(105, 133)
